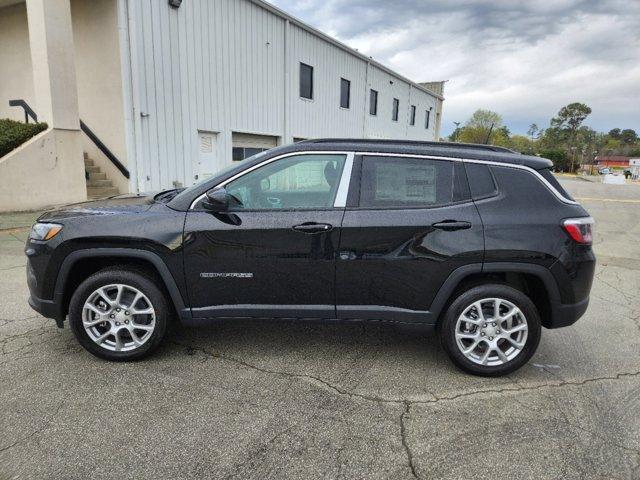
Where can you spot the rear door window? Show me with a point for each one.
(398, 182)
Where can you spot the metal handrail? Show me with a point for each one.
(28, 112)
(103, 148)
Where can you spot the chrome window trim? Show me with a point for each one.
(349, 165)
(273, 159)
(343, 188)
(537, 174)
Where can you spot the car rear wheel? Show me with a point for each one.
(118, 314)
(491, 330)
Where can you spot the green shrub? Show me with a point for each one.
(13, 134)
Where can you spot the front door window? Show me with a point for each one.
(300, 182)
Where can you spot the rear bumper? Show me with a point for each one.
(563, 315)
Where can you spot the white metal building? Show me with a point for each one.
(177, 92)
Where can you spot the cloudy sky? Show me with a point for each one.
(521, 58)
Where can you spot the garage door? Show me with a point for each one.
(246, 145)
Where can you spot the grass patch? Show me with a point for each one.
(13, 134)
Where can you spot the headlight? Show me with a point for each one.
(44, 231)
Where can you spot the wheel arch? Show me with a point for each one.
(536, 281)
(78, 265)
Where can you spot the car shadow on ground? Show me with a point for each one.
(312, 343)
(287, 334)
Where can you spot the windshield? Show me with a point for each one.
(196, 186)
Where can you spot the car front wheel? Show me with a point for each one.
(118, 314)
(491, 330)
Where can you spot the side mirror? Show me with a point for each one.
(217, 200)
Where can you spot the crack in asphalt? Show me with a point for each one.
(405, 444)
(310, 378)
(44, 427)
(6, 321)
(17, 238)
(635, 315)
(11, 268)
(405, 403)
(596, 435)
(402, 401)
(28, 336)
(614, 287)
(636, 469)
(18, 319)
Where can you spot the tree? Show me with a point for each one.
(484, 126)
(571, 117)
(484, 119)
(615, 133)
(534, 132)
(553, 138)
(558, 157)
(522, 144)
(505, 131)
(628, 136)
(568, 121)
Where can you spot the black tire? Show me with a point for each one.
(447, 329)
(120, 275)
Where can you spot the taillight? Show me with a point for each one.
(580, 229)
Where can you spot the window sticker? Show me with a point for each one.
(409, 183)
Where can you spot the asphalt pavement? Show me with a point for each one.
(286, 399)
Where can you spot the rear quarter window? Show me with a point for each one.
(549, 177)
(481, 181)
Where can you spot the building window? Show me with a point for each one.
(373, 103)
(345, 93)
(396, 107)
(306, 81)
(426, 119)
(241, 153)
(412, 120)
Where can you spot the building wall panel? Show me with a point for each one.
(219, 66)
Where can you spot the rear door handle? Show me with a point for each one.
(312, 228)
(451, 225)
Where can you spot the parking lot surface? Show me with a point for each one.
(286, 399)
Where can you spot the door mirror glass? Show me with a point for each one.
(217, 200)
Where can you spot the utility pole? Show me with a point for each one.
(455, 132)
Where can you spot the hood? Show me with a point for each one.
(127, 203)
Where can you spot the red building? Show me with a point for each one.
(612, 161)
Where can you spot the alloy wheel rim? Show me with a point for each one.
(118, 317)
(491, 332)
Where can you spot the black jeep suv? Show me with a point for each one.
(479, 241)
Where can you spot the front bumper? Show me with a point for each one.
(47, 308)
(563, 314)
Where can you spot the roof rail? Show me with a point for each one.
(379, 141)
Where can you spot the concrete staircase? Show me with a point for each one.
(98, 186)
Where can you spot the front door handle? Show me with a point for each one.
(451, 225)
(312, 228)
